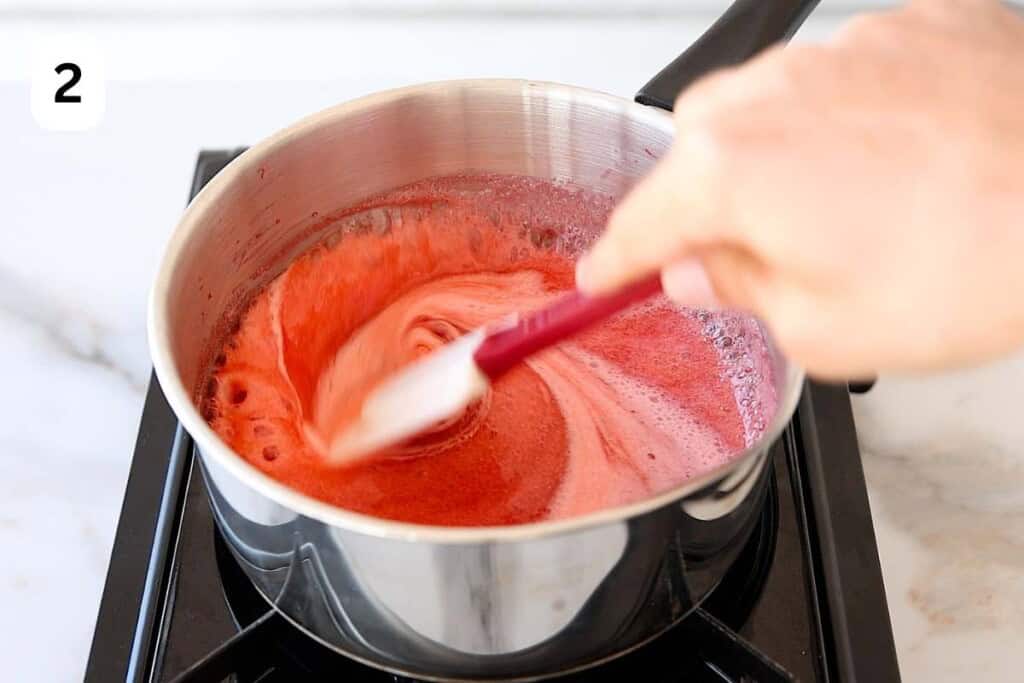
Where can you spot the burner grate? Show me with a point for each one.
(702, 647)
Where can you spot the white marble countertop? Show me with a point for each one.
(84, 216)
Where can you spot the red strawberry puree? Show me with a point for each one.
(630, 408)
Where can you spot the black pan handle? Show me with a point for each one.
(746, 28)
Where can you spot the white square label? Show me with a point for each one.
(68, 83)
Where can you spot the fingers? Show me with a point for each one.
(739, 280)
(729, 89)
(687, 201)
(687, 282)
(668, 213)
(719, 277)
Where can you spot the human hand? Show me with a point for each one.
(865, 197)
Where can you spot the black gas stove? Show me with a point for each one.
(804, 601)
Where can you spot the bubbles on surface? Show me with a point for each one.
(238, 394)
(212, 385)
(741, 348)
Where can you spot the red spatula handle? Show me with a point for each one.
(503, 349)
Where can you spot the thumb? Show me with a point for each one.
(668, 214)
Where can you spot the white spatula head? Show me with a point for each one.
(430, 390)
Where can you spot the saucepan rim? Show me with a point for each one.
(211, 446)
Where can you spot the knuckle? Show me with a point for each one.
(706, 144)
(712, 155)
(885, 28)
(859, 28)
(694, 100)
(711, 146)
(940, 9)
(802, 66)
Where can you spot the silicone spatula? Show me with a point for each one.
(443, 383)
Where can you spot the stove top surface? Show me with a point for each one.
(805, 601)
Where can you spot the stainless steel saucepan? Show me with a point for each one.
(514, 602)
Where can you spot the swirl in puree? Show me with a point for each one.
(632, 407)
